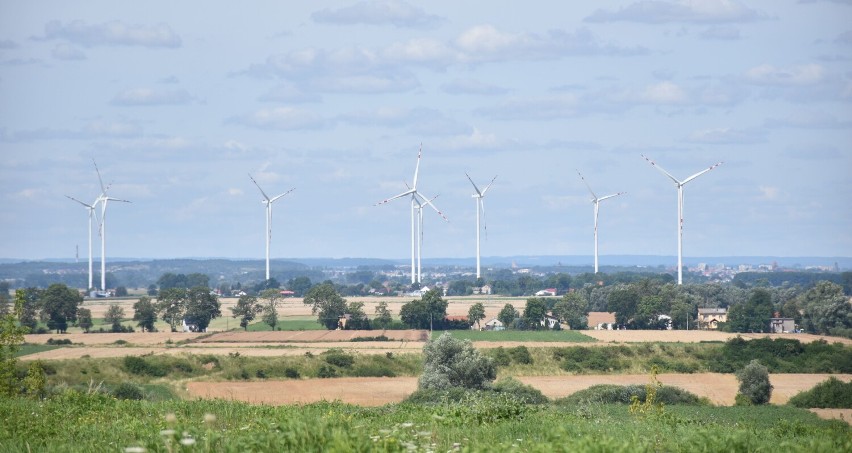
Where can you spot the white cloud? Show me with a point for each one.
(663, 93)
(798, 75)
(417, 121)
(63, 51)
(366, 83)
(768, 192)
(421, 50)
(721, 33)
(281, 118)
(695, 11)
(727, 136)
(470, 86)
(113, 33)
(808, 120)
(473, 141)
(95, 129)
(151, 96)
(289, 93)
(379, 12)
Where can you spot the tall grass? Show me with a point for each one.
(568, 336)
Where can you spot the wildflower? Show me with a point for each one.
(134, 450)
(171, 417)
(407, 425)
(209, 418)
(187, 441)
(167, 432)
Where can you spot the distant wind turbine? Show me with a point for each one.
(480, 208)
(92, 213)
(419, 210)
(268, 202)
(680, 185)
(416, 198)
(103, 199)
(597, 201)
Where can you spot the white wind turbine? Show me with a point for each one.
(420, 202)
(103, 199)
(480, 208)
(92, 213)
(597, 201)
(416, 198)
(268, 202)
(680, 185)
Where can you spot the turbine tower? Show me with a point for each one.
(597, 201)
(268, 202)
(420, 203)
(480, 208)
(416, 198)
(103, 199)
(680, 185)
(92, 212)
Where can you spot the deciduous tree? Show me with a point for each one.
(59, 305)
(327, 304)
(475, 314)
(246, 309)
(145, 314)
(573, 309)
(383, 317)
(507, 315)
(113, 317)
(202, 306)
(84, 319)
(448, 362)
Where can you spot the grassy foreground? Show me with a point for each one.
(75, 421)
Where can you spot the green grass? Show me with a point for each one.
(287, 324)
(27, 349)
(77, 422)
(568, 336)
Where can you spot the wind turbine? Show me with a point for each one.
(597, 201)
(480, 207)
(268, 202)
(420, 202)
(92, 213)
(416, 198)
(680, 185)
(103, 199)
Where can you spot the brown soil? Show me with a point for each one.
(136, 338)
(309, 336)
(839, 414)
(695, 336)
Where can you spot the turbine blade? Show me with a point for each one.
(701, 172)
(279, 196)
(478, 192)
(484, 222)
(594, 197)
(489, 185)
(101, 181)
(258, 187)
(611, 196)
(115, 199)
(428, 202)
(78, 201)
(654, 164)
(408, 192)
(417, 168)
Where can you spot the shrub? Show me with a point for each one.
(754, 383)
(339, 358)
(260, 373)
(436, 396)
(618, 394)
(500, 356)
(127, 391)
(521, 355)
(521, 391)
(326, 371)
(141, 367)
(833, 393)
(372, 370)
(449, 362)
(291, 373)
(61, 341)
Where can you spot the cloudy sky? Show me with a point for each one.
(179, 101)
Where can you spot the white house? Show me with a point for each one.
(547, 292)
(494, 324)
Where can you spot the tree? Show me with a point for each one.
(573, 309)
(202, 306)
(152, 290)
(825, 308)
(145, 314)
(171, 305)
(59, 305)
(357, 318)
(459, 288)
(31, 299)
(383, 317)
(327, 304)
(272, 297)
(507, 315)
(424, 313)
(623, 301)
(11, 339)
(120, 291)
(475, 314)
(246, 309)
(752, 315)
(113, 317)
(299, 285)
(754, 384)
(84, 319)
(448, 362)
(534, 313)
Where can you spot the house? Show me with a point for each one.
(342, 320)
(709, 318)
(550, 321)
(485, 289)
(286, 293)
(547, 292)
(782, 325)
(664, 320)
(494, 324)
(601, 320)
(189, 325)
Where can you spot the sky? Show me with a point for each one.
(178, 102)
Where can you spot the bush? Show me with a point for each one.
(372, 370)
(449, 362)
(141, 367)
(623, 394)
(436, 396)
(521, 355)
(578, 359)
(833, 394)
(754, 383)
(61, 341)
(326, 371)
(127, 391)
(291, 373)
(521, 391)
(338, 358)
(500, 356)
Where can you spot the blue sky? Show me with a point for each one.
(179, 101)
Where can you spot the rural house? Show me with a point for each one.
(709, 318)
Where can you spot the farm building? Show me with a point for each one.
(494, 324)
(782, 325)
(601, 320)
(709, 318)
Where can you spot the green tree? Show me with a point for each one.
(299, 285)
(752, 315)
(35, 381)
(475, 314)
(11, 339)
(825, 308)
(120, 291)
(271, 299)
(623, 301)
(202, 306)
(145, 314)
(357, 317)
(246, 309)
(460, 288)
(84, 319)
(507, 315)
(424, 313)
(171, 305)
(113, 317)
(534, 313)
(383, 317)
(326, 303)
(754, 384)
(152, 290)
(448, 362)
(59, 305)
(573, 309)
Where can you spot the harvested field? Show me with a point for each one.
(838, 414)
(136, 338)
(310, 336)
(720, 389)
(696, 336)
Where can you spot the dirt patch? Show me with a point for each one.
(720, 389)
(136, 338)
(310, 336)
(838, 414)
(695, 336)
